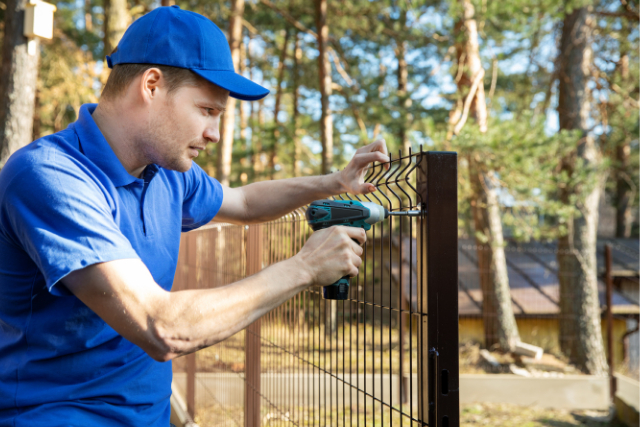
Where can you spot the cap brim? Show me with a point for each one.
(238, 86)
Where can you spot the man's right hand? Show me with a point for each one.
(331, 253)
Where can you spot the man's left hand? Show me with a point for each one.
(352, 177)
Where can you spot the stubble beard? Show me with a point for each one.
(162, 146)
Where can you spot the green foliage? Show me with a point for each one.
(526, 160)
(68, 76)
(518, 42)
(66, 80)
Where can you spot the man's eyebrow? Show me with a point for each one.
(218, 106)
(214, 105)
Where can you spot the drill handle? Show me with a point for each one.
(340, 289)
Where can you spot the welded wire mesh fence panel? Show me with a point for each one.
(375, 359)
(212, 380)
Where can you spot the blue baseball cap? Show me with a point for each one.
(180, 38)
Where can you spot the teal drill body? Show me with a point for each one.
(351, 213)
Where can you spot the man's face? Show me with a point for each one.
(182, 123)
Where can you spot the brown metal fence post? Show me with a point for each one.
(252, 335)
(438, 189)
(192, 266)
(191, 385)
(609, 292)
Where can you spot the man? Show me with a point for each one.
(90, 223)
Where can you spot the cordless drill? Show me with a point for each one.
(351, 213)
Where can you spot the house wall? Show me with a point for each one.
(542, 332)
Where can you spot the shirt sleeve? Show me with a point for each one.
(62, 218)
(202, 198)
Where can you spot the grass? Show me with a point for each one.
(361, 349)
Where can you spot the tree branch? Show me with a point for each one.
(290, 19)
(293, 21)
(341, 70)
(249, 27)
(468, 101)
(631, 15)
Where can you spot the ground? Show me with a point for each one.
(503, 415)
(364, 349)
(471, 362)
(493, 415)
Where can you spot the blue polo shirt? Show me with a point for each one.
(67, 202)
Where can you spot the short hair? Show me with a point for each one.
(123, 74)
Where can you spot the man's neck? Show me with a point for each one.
(120, 136)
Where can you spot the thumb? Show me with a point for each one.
(367, 188)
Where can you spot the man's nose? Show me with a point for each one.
(212, 134)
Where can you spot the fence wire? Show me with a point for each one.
(364, 361)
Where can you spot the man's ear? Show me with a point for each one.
(152, 80)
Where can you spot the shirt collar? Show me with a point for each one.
(98, 150)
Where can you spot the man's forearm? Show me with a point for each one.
(194, 319)
(169, 324)
(268, 200)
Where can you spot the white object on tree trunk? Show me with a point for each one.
(519, 371)
(38, 19)
(488, 357)
(38, 22)
(529, 350)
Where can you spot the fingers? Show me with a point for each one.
(333, 253)
(354, 233)
(378, 145)
(353, 255)
(356, 262)
(353, 238)
(363, 159)
(356, 248)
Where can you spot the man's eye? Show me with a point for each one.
(211, 111)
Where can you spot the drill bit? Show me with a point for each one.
(405, 213)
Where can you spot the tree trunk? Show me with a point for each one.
(403, 98)
(225, 147)
(244, 120)
(256, 137)
(499, 321)
(404, 101)
(326, 125)
(37, 123)
(623, 191)
(297, 57)
(580, 333)
(254, 140)
(275, 134)
(116, 21)
(623, 153)
(88, 17)
(497, 313)
(324, 72)
(242, 66)
(17, 82)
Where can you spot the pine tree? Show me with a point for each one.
(225, 146)
(18, 79)
(580, 331)
(499, 321)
